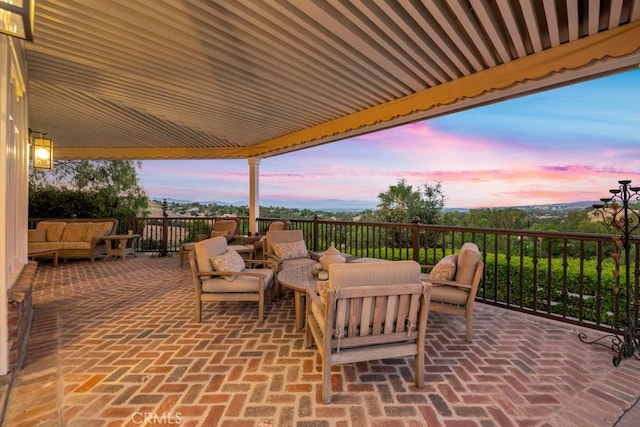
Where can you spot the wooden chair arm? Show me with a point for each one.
(230, 273)
(273, 257)
(247, 273)
(313, 297)
(268, 263)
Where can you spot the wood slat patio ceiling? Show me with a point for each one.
(243, 78)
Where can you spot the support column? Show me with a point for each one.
(254, 194)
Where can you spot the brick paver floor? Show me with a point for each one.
(114, 344)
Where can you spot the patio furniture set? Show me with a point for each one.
(250, 247)
(79, 238)
(366, 309)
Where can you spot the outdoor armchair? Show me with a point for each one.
(455, 279)
(221, 227)
(287, 249)
(369, 311)
(221, 274)
(258, 246)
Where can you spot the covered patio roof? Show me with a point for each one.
(119, 79)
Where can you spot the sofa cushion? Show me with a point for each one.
(37, 235)
(59, 245)
(74, 232)
(445, 268)
(97, 229)
(54, 229)
(230, 261)
(468, 257)
(291, 250)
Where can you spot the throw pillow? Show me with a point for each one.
(97, 229)
(38, 235)
(290, 250)
(228, 262)
(445, 269)
(54, 229)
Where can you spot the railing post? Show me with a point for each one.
(416, 238)
(315, 233)
(165, 229)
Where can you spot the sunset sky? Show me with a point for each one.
(564, 145)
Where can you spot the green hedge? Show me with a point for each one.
(555, 289)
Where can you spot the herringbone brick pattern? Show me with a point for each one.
(113, 343)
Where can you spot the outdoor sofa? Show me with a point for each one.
(73, 237)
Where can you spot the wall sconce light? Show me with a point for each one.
(17, 18)
(42, 153)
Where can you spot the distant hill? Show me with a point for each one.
(327, 205)
(552, 206)
(339, 205)
(549, 207)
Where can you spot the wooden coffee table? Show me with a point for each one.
(41, 253)
(300, 280)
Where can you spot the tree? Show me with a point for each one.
(87, 189)
(401, 203)
(508, 218)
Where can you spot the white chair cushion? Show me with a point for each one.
(468, 257)
(242, 284)
(230, 261)
(205, 249)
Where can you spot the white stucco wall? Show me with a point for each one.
(14, 176)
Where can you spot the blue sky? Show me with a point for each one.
(563, 145)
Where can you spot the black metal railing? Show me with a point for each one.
(564, 276)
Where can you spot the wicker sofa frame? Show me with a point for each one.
(96, 247)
